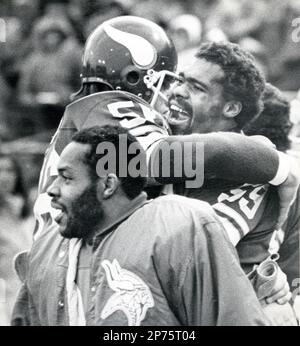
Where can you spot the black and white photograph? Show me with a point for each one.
(149, 165)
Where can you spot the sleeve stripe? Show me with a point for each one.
(229, 212)
(283, 169)
(233, 233)
(232, 222)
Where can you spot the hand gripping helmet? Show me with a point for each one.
(131, 54)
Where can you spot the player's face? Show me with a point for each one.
(74, 193)
(196, 103)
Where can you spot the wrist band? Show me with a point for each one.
(283, 169)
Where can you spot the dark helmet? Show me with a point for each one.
(131, 54)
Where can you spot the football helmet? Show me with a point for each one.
(132, 54)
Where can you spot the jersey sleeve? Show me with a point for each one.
(143, 122)
(208, 286)
(215, 290)
(240, 209)
(249, 215)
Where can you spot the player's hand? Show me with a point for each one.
(287, 192)
(280, 293)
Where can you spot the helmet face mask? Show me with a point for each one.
(157, 81)
(131, 54)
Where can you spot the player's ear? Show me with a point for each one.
(107, 186)
(232, 109)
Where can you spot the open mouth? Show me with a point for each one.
(60, 212)
(177, 116)
(58, 219)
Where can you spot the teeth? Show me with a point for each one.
(176, 108)
(56, 212)
(177, 114)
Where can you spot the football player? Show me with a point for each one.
(221, 90)
(274, 123)
(126, 61)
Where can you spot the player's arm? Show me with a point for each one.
(227, 156)
(223, 155)
(208, 286)
(225, 296)
(241, 210)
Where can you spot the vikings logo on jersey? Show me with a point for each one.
(132, 296)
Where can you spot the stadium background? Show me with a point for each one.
(266, 28)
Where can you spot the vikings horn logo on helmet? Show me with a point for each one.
(121, 51)
(142, 51)
(132, 296)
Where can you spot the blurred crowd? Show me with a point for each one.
(40, 70)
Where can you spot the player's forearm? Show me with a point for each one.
(227, 156)
(238, 158)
